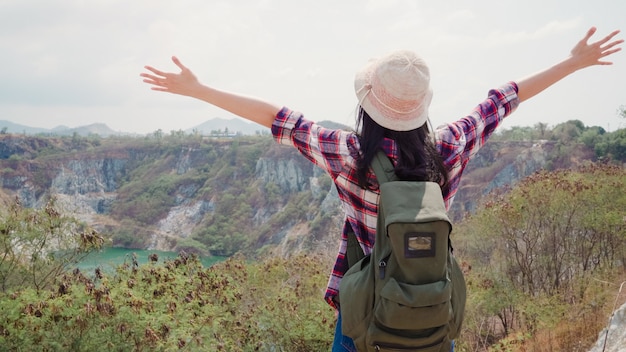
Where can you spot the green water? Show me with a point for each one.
(110, 258)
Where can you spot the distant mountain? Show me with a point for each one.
(334, 125)
(240, 126)
(97, 128)
(213, 126)
(10, 127)
(220, 125)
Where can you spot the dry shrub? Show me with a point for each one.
(580, 327)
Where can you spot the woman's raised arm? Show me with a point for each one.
(583, 55)
(187, 84)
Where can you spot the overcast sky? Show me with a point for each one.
(77, 62)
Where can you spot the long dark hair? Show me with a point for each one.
(418, 158)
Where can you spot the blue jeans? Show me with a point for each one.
(343, 343)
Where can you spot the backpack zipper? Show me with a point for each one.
(392, 347)
(382, 264)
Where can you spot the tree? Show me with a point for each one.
(612, 145)
(158, 134)
(534, 249)
(568, 131)
(542, 129)
(36, 245)
(558, 226)
(592, 136)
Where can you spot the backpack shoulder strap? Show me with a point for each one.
(383, 168)
(384, 171)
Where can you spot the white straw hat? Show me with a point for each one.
(395, 90)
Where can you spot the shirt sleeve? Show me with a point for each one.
(327, 148)
(459, 141)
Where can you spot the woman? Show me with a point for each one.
(394, 95)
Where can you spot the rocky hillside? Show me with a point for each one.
(613, 337)
(213, 195)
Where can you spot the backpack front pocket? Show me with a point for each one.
(414, 307)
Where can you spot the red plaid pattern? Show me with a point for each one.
(335, 151)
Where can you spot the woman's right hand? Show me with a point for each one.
(186, 83)
(183, 83)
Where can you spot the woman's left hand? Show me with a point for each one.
(588, 54)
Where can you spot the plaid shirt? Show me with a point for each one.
(336, 151)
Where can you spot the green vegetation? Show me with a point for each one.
(567, 138)
(543, 257)
(155, 173)
(274, 305)
(37, 245)
(540, 260)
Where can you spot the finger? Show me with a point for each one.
(610, 45)
(609, 52)
(149, 76)
(151, 81)
(608, 37)
(154, 84)
(589, 34)
(178, 63)
(155, 71)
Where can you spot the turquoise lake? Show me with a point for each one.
(110, 258)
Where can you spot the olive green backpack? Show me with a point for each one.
(409, 293)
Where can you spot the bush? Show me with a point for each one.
(275, 305)
(36, 245)
(537, 254)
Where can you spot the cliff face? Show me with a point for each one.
(613, 337)
(82, 186)
(93, 184)
(288, 174)
(497, 165)
(96, 184)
